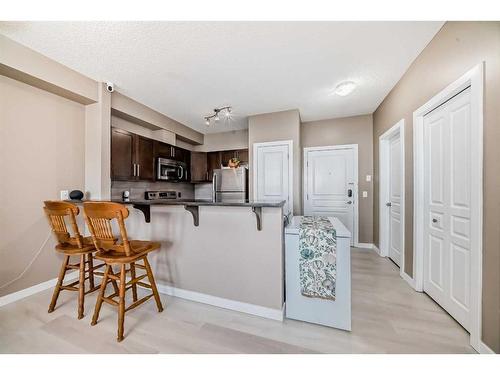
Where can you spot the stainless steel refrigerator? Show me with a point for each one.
(230, 185)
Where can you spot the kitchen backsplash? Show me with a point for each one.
(137, 188)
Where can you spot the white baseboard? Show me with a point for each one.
(364, 245)
(248, 308)
(16, 296)
(485, 349)
(408, 279)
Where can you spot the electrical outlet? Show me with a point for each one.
(365, 194)
(368, 178)
(64, 195)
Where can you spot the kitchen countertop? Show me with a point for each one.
(202, 202)
(191, 202)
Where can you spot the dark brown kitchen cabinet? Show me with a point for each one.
(214, 161)
(199, 166)
(122, 155)
(132, 156)
(145, 159)
(163, 150)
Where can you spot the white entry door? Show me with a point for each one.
(447, 211)
(330, 184)
(272, 173)
(394, 204)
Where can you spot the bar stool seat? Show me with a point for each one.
(139, 249)
(70, 249)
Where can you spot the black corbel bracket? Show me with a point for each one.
(258, 214)
(195, 212)
(146, 210)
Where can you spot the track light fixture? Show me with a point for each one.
(215, 116)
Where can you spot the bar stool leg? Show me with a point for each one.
(134, 285)
(121, 305)
(153, 284)
(98, 303)
(60, 280)
(113, 281)
(90, 258)
(81, 287)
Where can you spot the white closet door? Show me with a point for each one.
(273, 174)
(447, 197)
(395, 234)
(330, 187)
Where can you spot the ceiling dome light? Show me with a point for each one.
(345, 88)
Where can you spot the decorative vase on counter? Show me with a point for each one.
(234, 163)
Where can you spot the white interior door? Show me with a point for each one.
(447, 211)
(394, 204)
(330, 184)
(272, 173)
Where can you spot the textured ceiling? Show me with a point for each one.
(185, 69)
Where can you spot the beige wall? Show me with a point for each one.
(349, 130)
(41, 152)
(458, 47)
(279, 126)
(231, 140)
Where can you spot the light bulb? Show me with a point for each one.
(207, 122)
(228, 112)
(216, 118)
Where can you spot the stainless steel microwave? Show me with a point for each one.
(171, 170)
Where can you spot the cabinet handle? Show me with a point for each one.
(138, 170)
(134, 169)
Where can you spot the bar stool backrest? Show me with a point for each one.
(99, 216)
(56, 212)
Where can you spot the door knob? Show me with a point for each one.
(349, 202)
(388, 204)
(434, 220)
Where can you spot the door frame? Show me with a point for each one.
(384, 217)
(288, 143)
(353, 147)
(474, 79)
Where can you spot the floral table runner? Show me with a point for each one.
(318, 251)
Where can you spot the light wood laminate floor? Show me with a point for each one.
(388, 317)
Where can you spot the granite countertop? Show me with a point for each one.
(203, 202)
(192, 202)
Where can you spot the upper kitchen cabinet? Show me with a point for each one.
(145, 159)
(199, 171)
(122, 155)
(132, 156)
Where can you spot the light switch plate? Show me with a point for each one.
(365, 194)
(368, 178)
(64, 195)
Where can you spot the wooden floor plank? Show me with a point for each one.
(388, 317)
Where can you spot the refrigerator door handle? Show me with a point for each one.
(214, 186)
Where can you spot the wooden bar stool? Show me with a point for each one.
(68, 245)
(114, 251)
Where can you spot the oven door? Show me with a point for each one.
(169, 171)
